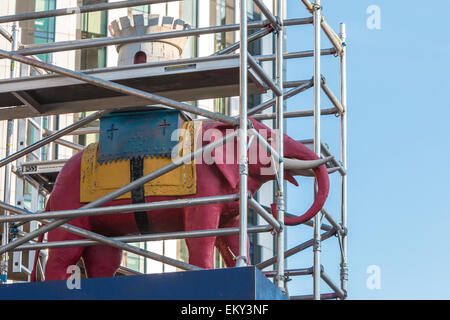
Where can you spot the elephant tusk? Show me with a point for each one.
(310, 173)
(294, 164)
(333, 170)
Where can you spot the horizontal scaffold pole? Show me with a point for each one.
(108, 41)
(290, 273)
(295, 114)
(140, 207)
(287, 95)
(144, 238)
(296, 249)
(78, 10)
(326, 152)
(299, 54)
(254, 36)
(120, 88)
(323, 296)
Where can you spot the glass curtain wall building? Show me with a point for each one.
(44, 29)
(94, 25)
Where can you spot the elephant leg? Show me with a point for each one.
(201, 250)
(228, 246)
(101, 261)
(60, 259)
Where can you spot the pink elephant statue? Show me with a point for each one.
(218, 178)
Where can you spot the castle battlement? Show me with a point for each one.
(158, 50)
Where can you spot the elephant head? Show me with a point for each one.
(298, 159)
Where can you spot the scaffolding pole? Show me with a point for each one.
(7, 172)
(108, 41)
(343, 82)
(79, 10)
(317, 142)
(140, 207)
(241, 260)
(144, 238)
(280, 279)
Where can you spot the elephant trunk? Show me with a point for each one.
(301, 152)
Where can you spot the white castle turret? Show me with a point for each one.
(159, 50)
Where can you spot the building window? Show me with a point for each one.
(44, 149)
(94, 25)
(87, 139)
(134, 261)
(144, 9)
(44, 29)
(27, 195)
(33, 135)
(224, 14)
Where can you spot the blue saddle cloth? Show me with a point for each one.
(128, 135)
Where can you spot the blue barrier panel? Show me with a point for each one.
(247, 283)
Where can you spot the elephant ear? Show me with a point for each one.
(225, 159)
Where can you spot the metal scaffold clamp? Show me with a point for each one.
(276, 27)
(316, 6)
(13, 230)
(316, 245)
(241, 261)
(283, 278)
(344, 229)
(243, 169)
(237, 258)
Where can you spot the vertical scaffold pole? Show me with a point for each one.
(279, 280)
(243, 161)
(317, 88)
(343, 65)
(7, 184)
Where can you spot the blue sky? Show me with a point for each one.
(398, 119)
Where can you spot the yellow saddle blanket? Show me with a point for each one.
(97, 180)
